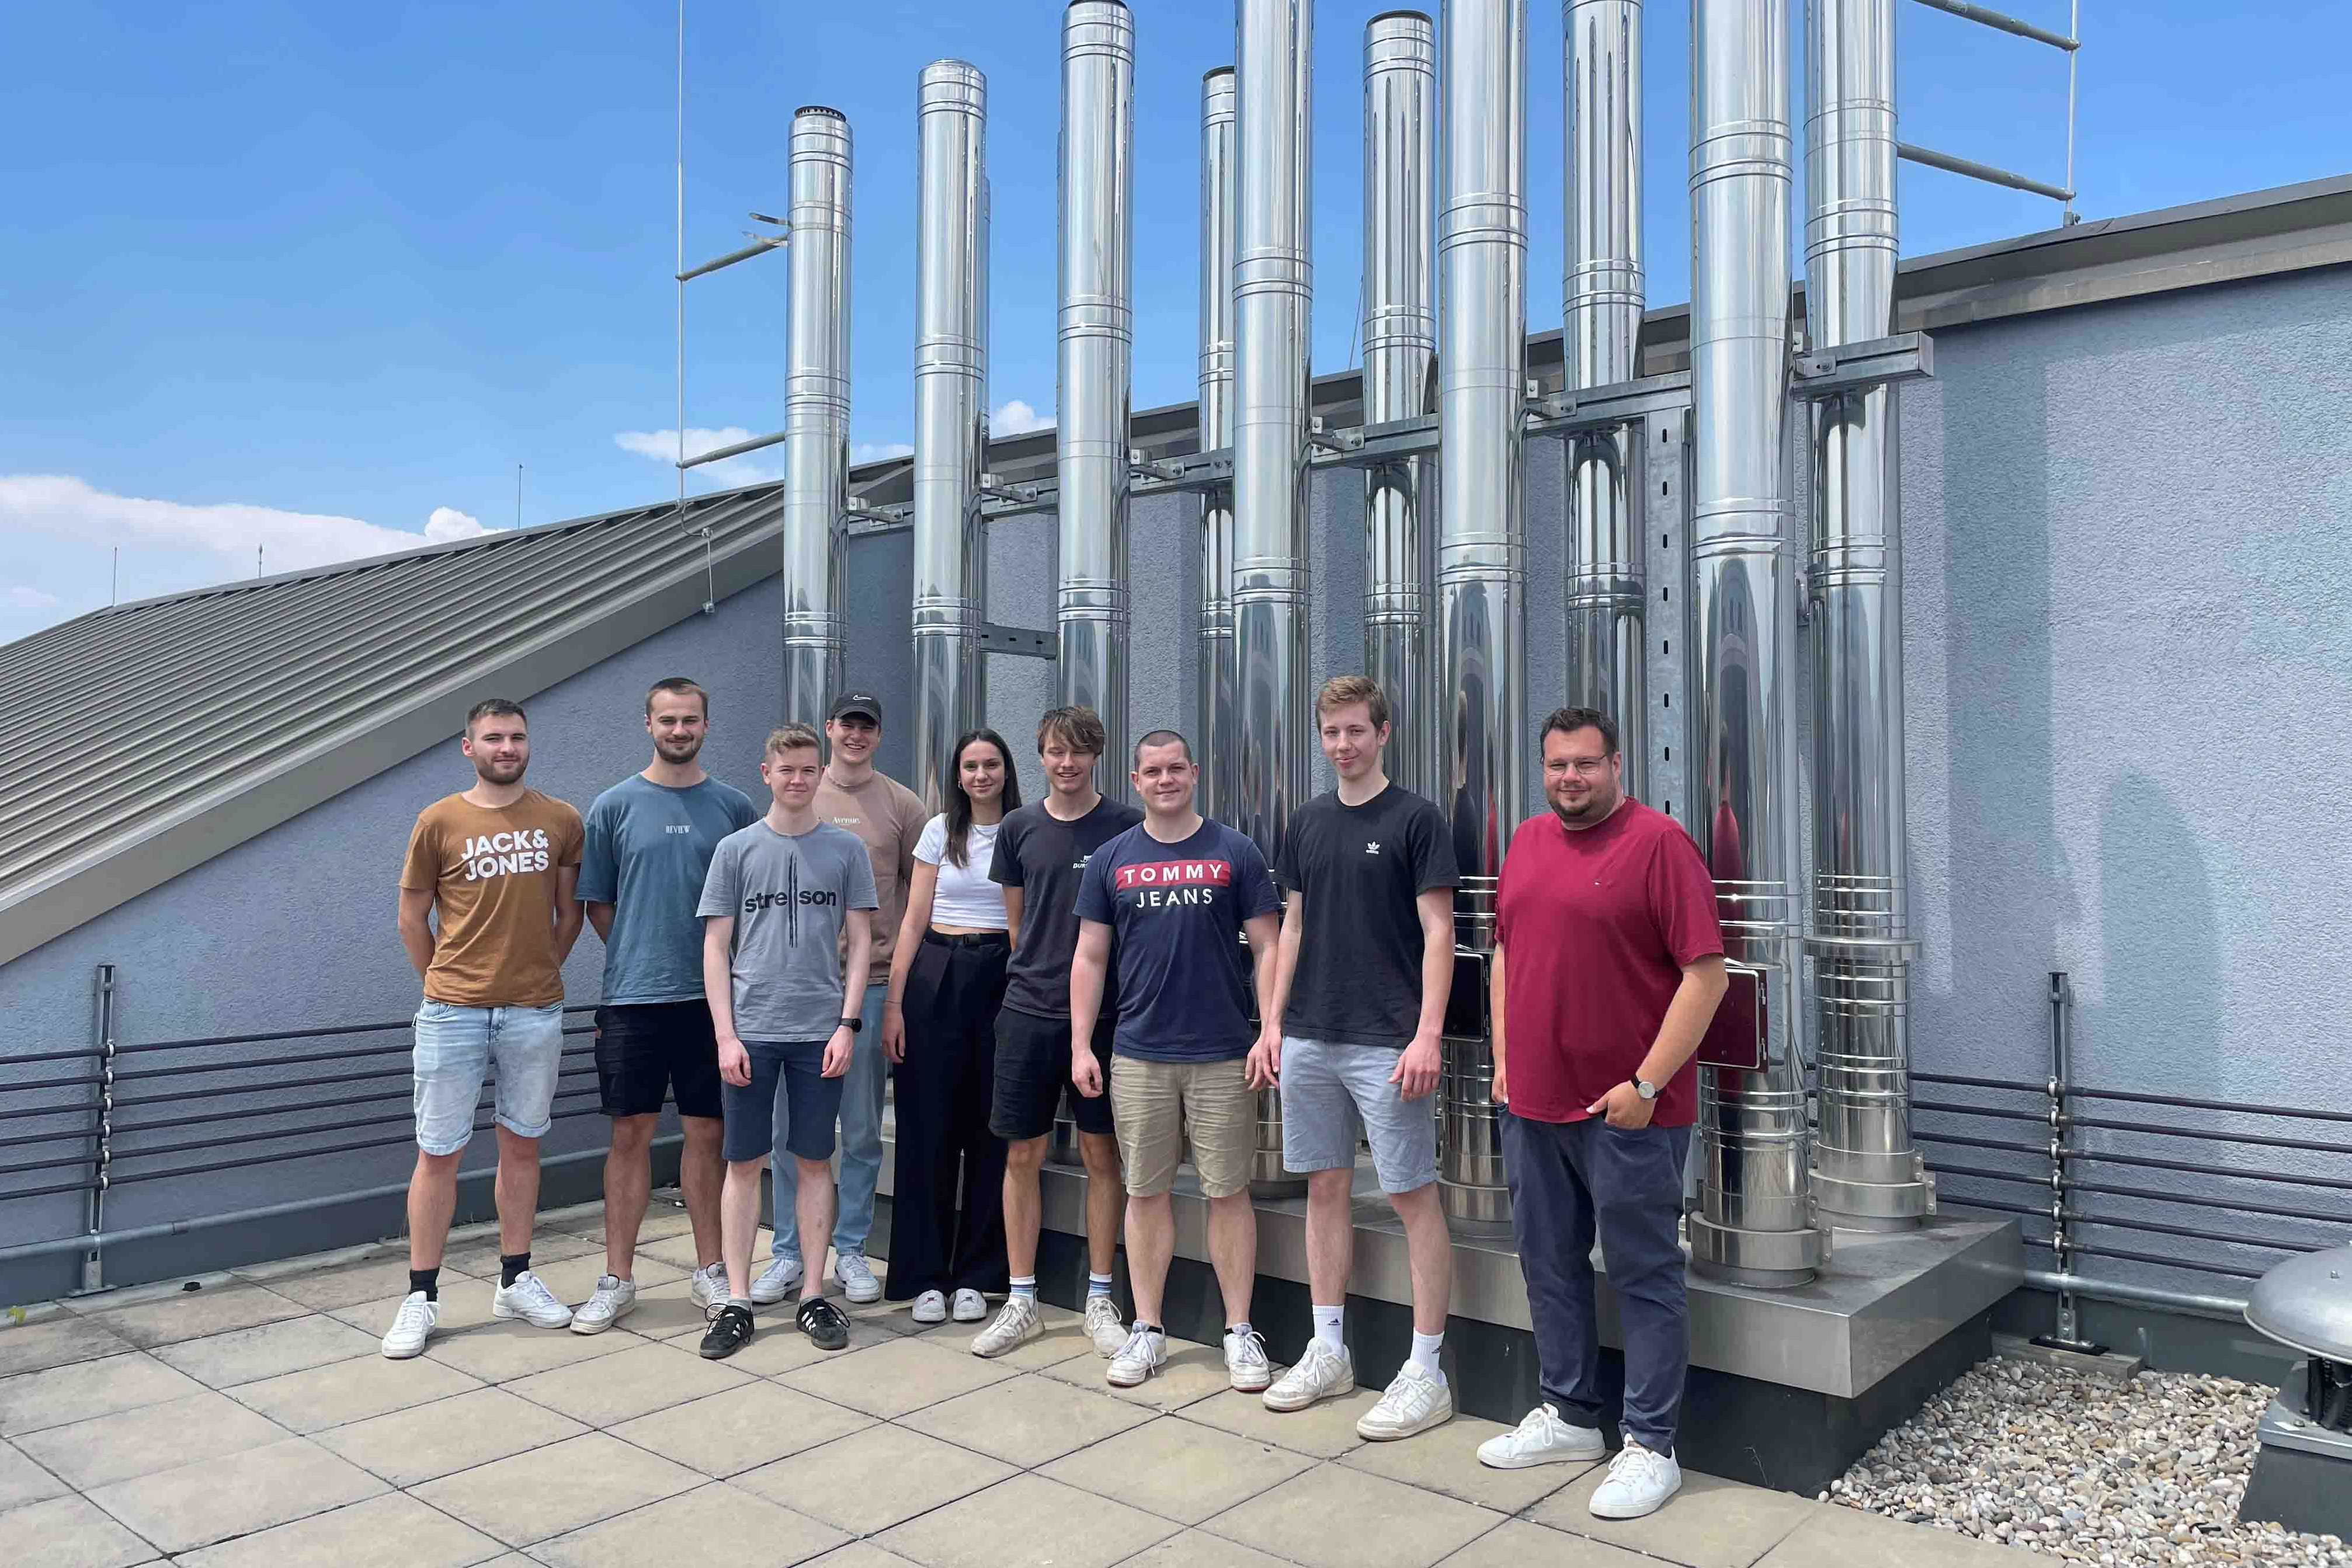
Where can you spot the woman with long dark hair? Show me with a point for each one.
(947, 979)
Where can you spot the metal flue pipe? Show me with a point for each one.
(1273, 725)
(1215, 665)
(951, 413)
(1400, 352)
(816, 412)
(1756, 1223)
(1096, 365)
(1606, 588)
(1867, 1173)
(1482, 250)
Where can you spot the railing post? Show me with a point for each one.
(2060, 1084)
(101, 1133)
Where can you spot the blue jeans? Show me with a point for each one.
(521, 1049)
(861, 1144)
(1570, 1181)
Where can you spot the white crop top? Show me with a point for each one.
(966, 896)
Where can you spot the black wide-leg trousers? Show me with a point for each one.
(946, 1085)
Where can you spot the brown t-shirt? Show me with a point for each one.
(889, 818)
(492, 874)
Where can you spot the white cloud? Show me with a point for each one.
(879, 450)
(58, 527)
(1016, 417)
(661, 445)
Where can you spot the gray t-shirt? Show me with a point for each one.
(789, 896)
(647, 854)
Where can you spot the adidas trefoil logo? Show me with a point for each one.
(1373, 848)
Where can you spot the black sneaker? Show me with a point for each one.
(825, 1325)
(730, 1330)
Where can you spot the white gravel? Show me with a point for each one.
(2085, 1468)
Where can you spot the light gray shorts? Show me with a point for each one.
(1334, 1093)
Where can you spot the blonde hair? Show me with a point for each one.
(790, 737)
(1345, 691)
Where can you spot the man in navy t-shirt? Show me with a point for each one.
(1179, 891)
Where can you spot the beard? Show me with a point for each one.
(1596, 808)
(491, 772)
(682, 748)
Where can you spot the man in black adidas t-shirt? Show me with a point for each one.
(1041, 854)
(1359, 994)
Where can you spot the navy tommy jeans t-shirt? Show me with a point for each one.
(1176, 912)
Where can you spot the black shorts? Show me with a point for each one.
(650, 1050)
(1033, 1077)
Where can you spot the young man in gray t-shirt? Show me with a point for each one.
(782, 895)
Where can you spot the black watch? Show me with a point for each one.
(853, 1025)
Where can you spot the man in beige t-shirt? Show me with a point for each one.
(889, 818)
(486, 915)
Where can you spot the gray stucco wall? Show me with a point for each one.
(2126, 673)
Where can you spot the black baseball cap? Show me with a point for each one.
(847, 702)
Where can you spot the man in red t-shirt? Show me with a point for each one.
(1608, 964)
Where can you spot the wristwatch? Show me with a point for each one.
(1645, 1088)
(853, 1025)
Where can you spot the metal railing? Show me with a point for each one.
(92, 1131)
(2070, 43)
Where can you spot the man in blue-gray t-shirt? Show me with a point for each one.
(650, 840)
(1179, 892)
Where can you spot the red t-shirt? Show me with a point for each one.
(1598, 925)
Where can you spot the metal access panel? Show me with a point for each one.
(1022, 641)
(1665, 538)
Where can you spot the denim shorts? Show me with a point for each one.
(1332, 1092)
(788, 1081)
(519, 1049)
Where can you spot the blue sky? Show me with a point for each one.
(316, 277)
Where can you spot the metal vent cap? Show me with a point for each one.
(2306, 1303)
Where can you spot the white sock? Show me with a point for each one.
(1425, 1347)
(1097, 1284)
(1329, 1322)
(1025, 1285)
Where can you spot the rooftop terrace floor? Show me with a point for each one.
(253, 1422)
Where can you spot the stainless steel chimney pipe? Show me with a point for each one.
(1273, 296)
(1095, 368)
(1214, 671)
(1400, 351)
(1756, 1223)
(1867, 1173)
(1482, 252)
(1607, 589)
(951, 413)
(816, 411)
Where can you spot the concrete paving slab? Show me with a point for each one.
(70, 1533)
(1444, 1459)
(62, 1395)
(1028, 1421)
(573, 1279)
(1333, 1517)
(1177, 1469)
(57, 1341)
(237, 1494)
(741, 1429)
(424, 1442)
(1326, 1430)
(1710, 1523)
(272, 1350)
(559, 1489)
(1194, 1373)
(385, 1274)
(1199, 1549)
(667, 1312)
(501, 1350)
(726, 1525)
(1027, 1522)
(644, 1377)
(23, 1481)
(355, 1390)
(131, 1443)
(1515, 1543)
(394, 1530)
(194, 1315)
(1849, 1536)
(923, 1474)
(480, 1258)
(464, 1304)
(892, 1380)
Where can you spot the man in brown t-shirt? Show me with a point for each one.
(889, 818)
(488, 915)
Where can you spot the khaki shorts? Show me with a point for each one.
(1159, 1106)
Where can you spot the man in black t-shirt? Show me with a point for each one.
(1359, 993)
(1041, 853)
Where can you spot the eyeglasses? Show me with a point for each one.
(1583, 767)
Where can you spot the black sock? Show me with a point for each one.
(427, 1280)
(1142, 1327)
(512, 1264)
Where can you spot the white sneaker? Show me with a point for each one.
(709, 1284)
(409, 1326)
(1543, 1439)
(1105, 1326)
(1415, 1403)
(856, 1276)
(780, 1279)
(1638, 1483)
(1144, 1352)
(613, 1300)
(1321, 1373)
(930, 1307)
(970, 1306)
(529, 1299)
(1016, 1323)
(1245, 1362)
